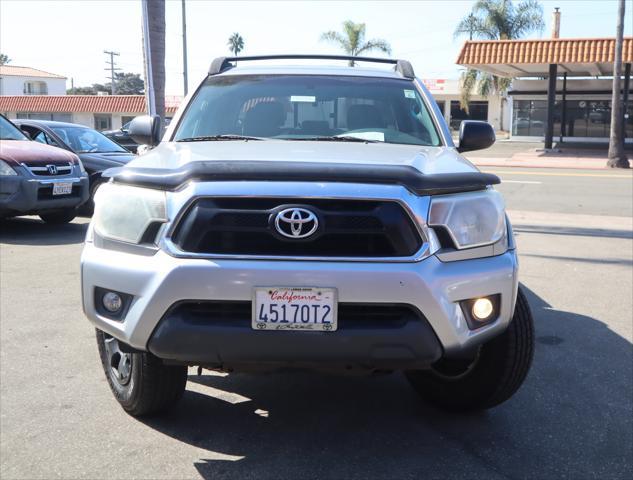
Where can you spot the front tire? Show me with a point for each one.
(496, 373)
(140, 382)
(88, 208)
(59, 217)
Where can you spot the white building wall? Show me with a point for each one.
(14, 85)
(84, 118)
(447, 90)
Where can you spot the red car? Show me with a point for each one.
(37, 179)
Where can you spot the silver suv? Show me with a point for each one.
(313, 217)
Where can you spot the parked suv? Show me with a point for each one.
(38, 179)
(306, 217)
(96, 152)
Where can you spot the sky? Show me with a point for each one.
(68, 37)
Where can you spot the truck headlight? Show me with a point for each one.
(125, 213)
(5, 169)
(470, 219)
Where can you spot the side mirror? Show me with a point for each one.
(146, 130)
(475, 135)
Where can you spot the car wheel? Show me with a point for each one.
(492, 377)
(88, 208)
(140, 382)
(59, 217)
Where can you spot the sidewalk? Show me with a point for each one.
(500, 155)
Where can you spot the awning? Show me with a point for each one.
(586, 57)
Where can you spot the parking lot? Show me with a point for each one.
(571, 419)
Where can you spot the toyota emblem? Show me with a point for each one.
(296, 222)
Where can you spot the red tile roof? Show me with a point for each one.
(15, 71)
(80, 103)
(547, 51)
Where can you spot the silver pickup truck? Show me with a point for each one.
(306, 216)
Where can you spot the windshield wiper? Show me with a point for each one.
(217, 138)
(338, 138)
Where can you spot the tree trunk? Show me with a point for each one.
(155, 55)
(617, 156)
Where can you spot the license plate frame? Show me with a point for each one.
(289, 318)
(62, 188)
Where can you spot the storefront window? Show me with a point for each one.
(583, 118)
(476, 111)
(529, 118)
(628, 122)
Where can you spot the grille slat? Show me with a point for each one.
(350, 315)
(60, 168)
(347, 228)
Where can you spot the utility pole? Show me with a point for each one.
(184, 48)
(112, 68)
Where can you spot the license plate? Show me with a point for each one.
(299, 308)
(63, 188)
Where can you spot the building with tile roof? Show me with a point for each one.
(557, 91)
(102, 112)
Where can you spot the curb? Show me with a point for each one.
(571, 166)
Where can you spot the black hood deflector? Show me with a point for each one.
(217, 171)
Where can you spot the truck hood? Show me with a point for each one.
(427, 160)
(15, 152)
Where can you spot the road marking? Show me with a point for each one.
(520, 181)
(559, 174)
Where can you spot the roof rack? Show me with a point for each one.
(220, 64)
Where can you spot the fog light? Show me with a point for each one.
(112, 302)
(482, 309)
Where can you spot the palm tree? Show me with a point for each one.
(236, 43)
(155, 57)
(496, 20)
(352, 40)
(617, 157)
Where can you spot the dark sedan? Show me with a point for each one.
(122, 137)
(96, 151)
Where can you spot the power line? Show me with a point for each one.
(112, 68)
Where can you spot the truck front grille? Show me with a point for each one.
(347, 228)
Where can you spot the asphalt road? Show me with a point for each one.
(587, 192)
(572, 418)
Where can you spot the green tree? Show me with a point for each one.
(236, 43)
(81, 91)
(496, 20)
(128, 84)
(4, 59)
(352, 40)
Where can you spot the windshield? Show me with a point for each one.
(303, 107)
(8, 131)
(86, 140)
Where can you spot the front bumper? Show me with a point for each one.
(160, 281)
(26, 194)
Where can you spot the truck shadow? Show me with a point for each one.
(570, 419)
(33, 231)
